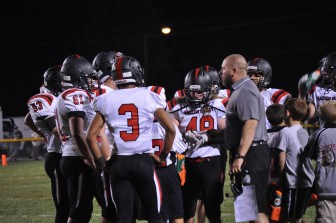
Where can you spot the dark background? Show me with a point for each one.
(292, 36)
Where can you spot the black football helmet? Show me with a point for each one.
(260, 66)
(127, 69)
(238, 181)
(102, 64)
(52, 79)
(328, 72)
(198, 80)
(77, 72)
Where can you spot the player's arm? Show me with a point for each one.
(76, 124)
(104, 144)
(94, 130)
(311, 110)
(28, 121)
(306, 83)
(167, 123)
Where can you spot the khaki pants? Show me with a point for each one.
(325, 211)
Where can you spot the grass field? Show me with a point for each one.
(25, 196)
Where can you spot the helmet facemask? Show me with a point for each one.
(196, 95)
(92, 81)
(215, 87)
(328, 78)
(258, 78)
(260, 66)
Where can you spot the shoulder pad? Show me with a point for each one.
(276, 97)
(180, 93)
(100, 91)
(225, 101)
(171, 103)
(47, 97)
(72, 90)
(156, 89)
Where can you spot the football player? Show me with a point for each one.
(74, 112)
(200, 120)
(320, 84)
(129, 113)
(102, 64)
(170, 180)
(260, 72)
(41, 119)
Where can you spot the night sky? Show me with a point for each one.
(37, 35)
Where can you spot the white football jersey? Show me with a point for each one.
(224, 93)
(158, 134)
(198, 120)
(129, 115)
(97, 95)
(102, 90)
(179, 93)
(42, 106)
(72, 100)
(318, 95)
(274, 96)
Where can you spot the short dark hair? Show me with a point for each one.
(276, 114)
(297, 108)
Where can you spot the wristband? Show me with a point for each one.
(100, 162)
(238, 156)
(163, 156)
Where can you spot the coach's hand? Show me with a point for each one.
(236, 166)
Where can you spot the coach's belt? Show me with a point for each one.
(257, 143)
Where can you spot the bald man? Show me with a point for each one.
(246, 134)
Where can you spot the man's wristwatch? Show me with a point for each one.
(238, 156)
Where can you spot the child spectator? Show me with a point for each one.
(322, 145)
(275, 114)
(297, 175)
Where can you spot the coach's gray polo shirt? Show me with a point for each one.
(244, 104)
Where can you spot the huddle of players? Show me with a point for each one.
(98, 138)
(199, 115)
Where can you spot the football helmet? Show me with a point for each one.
(198, 81)
(102, 63)
(52, 79)
(127, 69)
(77, 72)
(260, 66)
(238, 181)
(328, 72)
